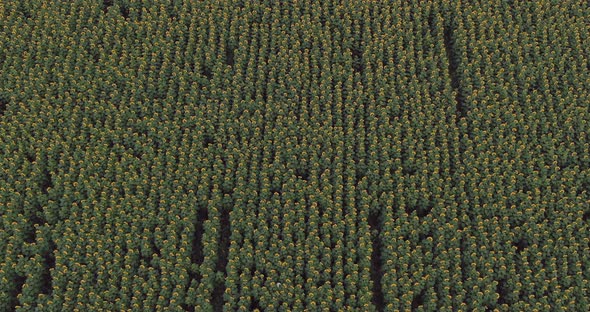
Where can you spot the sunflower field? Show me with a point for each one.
(294, 155)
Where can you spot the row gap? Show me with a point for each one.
(208, 140)
(3, 104)
(422, 210)
(222, 258)
(229, 56)
(521, 245)
(302, 173)
(18, 282)
(503, 290)
(255, 305)
(207, 72)
(48, 264)
(46, 182)
(418, 300)
(453, 57)
(197, 241)
(123, 9)
(106, 4)
(378, 298)
(357, 59)
(29, 233)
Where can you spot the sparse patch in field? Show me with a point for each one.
(422, 209)
(206, 71)
(408, 164)
(302, 173)
(229, 56)
(26, 12)
(582, 190)
(255, 305)
(521, 244)
(264, 94)
(409, 170)
(106, 4)
(188, 307)
(357, 59)
(46, 182)
(208, 140)
(275, 190)
(124, 11)
(503, 290)
(31, 157)
(3, 104)
(418, 300)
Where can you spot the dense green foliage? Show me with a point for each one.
(294, 155)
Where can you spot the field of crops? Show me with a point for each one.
(235, 155)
